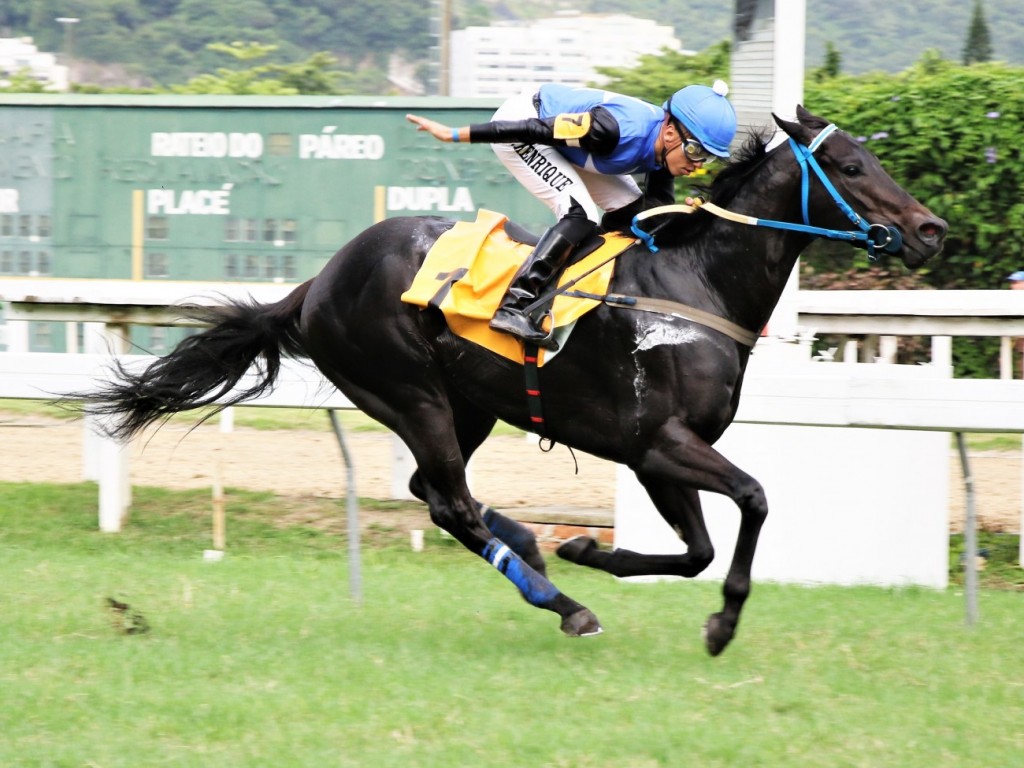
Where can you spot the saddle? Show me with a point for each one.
(466, 272)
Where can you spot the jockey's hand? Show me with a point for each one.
(439, 131)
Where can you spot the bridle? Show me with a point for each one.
(874, 237)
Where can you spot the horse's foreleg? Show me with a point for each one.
(721, 626)
(680, 507)
(679, 456)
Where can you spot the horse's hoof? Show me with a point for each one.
(583, 623)
(717, 634)
(576, 549)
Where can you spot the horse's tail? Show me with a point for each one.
(205, 367)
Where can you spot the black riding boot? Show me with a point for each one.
(544, 264)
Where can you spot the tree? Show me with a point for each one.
(832, 66)
(313, 76)
(474, 14)
(22, 81)
(978, 47)
(658, 77)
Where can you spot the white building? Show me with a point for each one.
(502, 59)
(19, 54)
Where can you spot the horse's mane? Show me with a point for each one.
(727, 183)
(747, 159)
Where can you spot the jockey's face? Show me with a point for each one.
(679, 152)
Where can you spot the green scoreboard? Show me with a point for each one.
(221, 188)
(227, 188)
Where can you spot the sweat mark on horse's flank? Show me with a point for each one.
(651, 334)
(423, 241)
(639, 387)
(654, 333)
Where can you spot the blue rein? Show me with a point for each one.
(874, 236)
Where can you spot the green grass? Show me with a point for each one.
(262, 659)
(991, 441)
(245, 416)
(1001, 566)
(17, 407)
(251, 417)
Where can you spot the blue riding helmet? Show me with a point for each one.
(707, 114)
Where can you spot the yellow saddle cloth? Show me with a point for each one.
(466, 272)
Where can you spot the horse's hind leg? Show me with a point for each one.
(388, 369)
(442, 479)
(519, 538)
(514, 534)
(425, 418)
(472, 426)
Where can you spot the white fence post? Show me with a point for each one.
(850, 350)
(114, 484)
(16, 335)
(227, 421)
(942, 353)
(1005, 357)
(106, 460)
(888, 346)
(71, 338)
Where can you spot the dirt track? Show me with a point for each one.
(507, 472)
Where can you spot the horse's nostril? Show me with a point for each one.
(934, 229)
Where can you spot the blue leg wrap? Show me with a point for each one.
(536, 589)
(509, 531)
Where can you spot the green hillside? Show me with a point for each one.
(165, 41)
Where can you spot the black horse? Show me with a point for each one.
(656, 407)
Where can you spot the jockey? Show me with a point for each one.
(575, 149)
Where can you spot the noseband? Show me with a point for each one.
(875, 237)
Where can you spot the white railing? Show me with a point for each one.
(783, 391)
(854, 460)
(881, 317)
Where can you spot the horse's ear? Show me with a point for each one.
(813, 122)
(797, 131)
(805, 128)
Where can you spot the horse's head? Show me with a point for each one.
(898, 223)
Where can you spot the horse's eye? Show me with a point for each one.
(851, 170)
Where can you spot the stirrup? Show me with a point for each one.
(523, 327)
(548, 342)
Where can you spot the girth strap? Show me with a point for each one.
(676, 309)
(532, 376)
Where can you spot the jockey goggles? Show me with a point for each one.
(696, 152)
